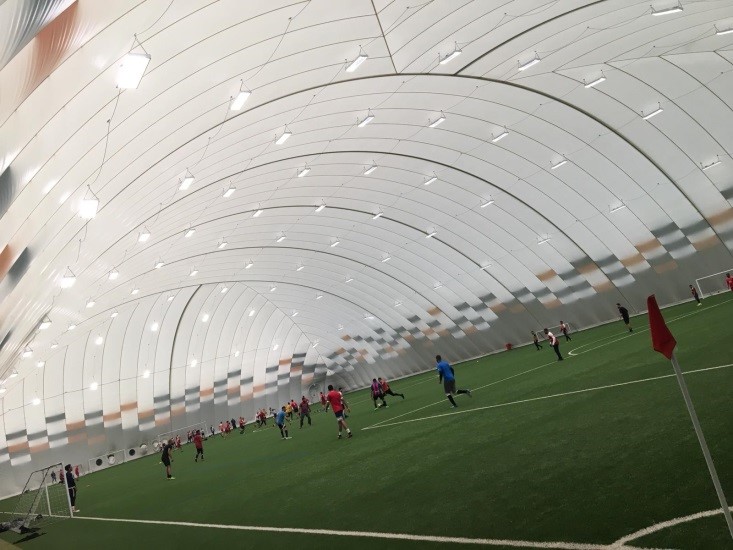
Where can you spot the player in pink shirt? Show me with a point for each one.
(335, 400)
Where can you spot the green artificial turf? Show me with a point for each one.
(586, 467)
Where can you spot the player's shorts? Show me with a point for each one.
(449, 386)
(166, 462)
(626, 320)
(339, 415)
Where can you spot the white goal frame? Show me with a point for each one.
(718, 274)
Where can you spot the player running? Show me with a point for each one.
(198, 442)
(377, 394)
(447, 377)
(536, 341)
(336, 401)
(305, 411)
(564, 329)
(386, 390)
(625, 316)
(729, 281)
(554, 342)
(167, 457)
(693, 291)
(324, 408)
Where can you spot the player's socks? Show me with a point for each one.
(452, 401)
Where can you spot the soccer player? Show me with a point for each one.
(305, 411)
(377, 394)
(324, 408)
(729, 281)
(386, 390)
(564, 330)
(625, 316)
(288, 410)
(71, 486)
(198, 442)
(167, 457)
(347, 409)
(554, 342)
(536, 340)
(242, 424)
(447, 377)
(693, 290)
(280, 423)
(53, 477)
(336, 400)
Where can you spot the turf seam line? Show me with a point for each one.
(377, 535)
(665, 525)
(542, 397)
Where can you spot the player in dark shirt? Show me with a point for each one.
(71, 486)
(536, 340)
(693, 290)
(198, 442)
(625, 316)
(167, 457)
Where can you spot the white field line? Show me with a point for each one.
(573, 352)
(541, 398)
(376, 535)
(620, 543)
(473, 390)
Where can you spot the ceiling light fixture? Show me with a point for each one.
(90, 303)
(68, 279)
(295, 314)
(257, 214)
(194, 362)
(714, 163)
(186, 182)
(40, 364)
(563, 162)
(273, 288)
(300, 268)
(14, 373)
(45, 323)
(170, 298)
(451, 56)
(249, 264)
(370, 169)
(485, 267)
(283, 137)
(304, 172)
(99, 340)
(205, 318)
(229, 192)
(72, 326)
(349, 279)
(159, 264)
(54, 345)
(240, 99)
(154, 327)
(319, 296)
(335, 243)
(224, 289)
(357, 62)
(487, 202)
(386, 259)
(616, 208)
(131, 70)
(321, 207)
(431, 234)
(721, 32)
(653, 113)
(378, 215)
(36, 401)
(543, 240)
(437, 122)
(222, 244)
(114, 314)
(280, 239)
(113, 275)
(595, 82)
(502, 135)
(367, 119)
(135, 291)
(433, 179)
(528, 64)
(193, 272)
(89, 205)
(252, 312)
(667, 11)
(144, 235)
(274, 348)
(146, 373)
(189, 233)
(27, 352)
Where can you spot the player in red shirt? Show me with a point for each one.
(178, 443)
(242, 424)
(564, 330)
(323, 402)
(693, 291)
(729, 281)
(335, 400)
(198, 442)
(386, 390)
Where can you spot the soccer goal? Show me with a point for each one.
(41, 502)
(712, 284)
(183, 432)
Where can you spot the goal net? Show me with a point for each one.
(44, 499)
(182, 432)
(713, 283)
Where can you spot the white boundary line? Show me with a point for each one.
(543, 397)
(376, 535)
(443, 400)
(665, 525)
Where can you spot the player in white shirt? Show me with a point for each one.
(554, 342)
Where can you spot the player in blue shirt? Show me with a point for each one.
(448, 378)
(280, 421)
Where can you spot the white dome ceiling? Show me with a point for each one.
(547, 183)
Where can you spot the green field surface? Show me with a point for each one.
(583, 452)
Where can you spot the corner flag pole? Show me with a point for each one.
(664, 343)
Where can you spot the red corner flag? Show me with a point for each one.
(662, 339)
